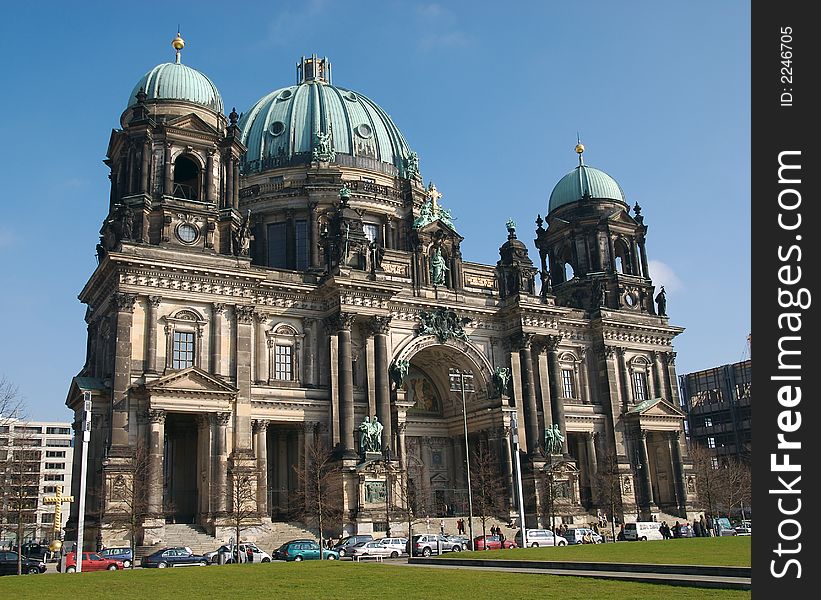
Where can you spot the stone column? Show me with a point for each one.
(204, 462)
(145, 167)
(282, 469)
(151, 334)
(235, 199)
(670, 381)
(591, 454)
(261, 349)
(221, 490)
(403, 453)
(229, 179)
(658, 378)
(553, 342)
(510, 468)
(217, 312)
(122, 371)
(645, 467)
(156, 449)
(198, 357)
(626, 380)
(544, 387)
(343, 323)
(584, 375)
(310, 350)
(529, 393)
(313, 219)
(673, 438)
(242, 416)
(381, 328)
(168, 182)
(209, 175)
(261, 449)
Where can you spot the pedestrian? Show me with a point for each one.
(710, 532)
(620, 535)
(250, 553)
(677, 530)
(703, 526)
(442, 526)
(696, 528)
(460, 526)
(662, 530)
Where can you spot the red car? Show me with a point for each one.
(492, 542)
(91, 562)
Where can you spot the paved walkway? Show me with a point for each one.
(601, 571)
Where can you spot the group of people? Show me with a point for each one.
(701, 527)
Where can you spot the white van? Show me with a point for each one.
(539, 537)
(642, 531)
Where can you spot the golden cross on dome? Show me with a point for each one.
(434, 195)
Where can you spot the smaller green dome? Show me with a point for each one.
(585, 181)
(176, 81)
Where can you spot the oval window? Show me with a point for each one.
(187, 233)
(285, 94)
(364, 131)
(276, 128)
(351, 96)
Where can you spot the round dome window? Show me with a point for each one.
(351, 96)
(276, 128)
(187, 233)
(364, 131)
(285, 94)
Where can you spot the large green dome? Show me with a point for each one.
(585, 182)
(281, 128)
(175, 81)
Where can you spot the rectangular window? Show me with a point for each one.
(283, 361)
(55, 453)
(54, 477)
(301, 241)
(183, 356)
(567, 384)
(58, 443)
(714, 462)
(277, 246)
(640, 383)
(711, 442)
(58, 430)
(708, 421)
(55, 466)
(47, 518)
(371, 232)
(49, 489)
(27, 429)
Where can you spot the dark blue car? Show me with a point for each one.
(173, 557)
(123, 554)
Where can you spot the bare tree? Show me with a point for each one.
(708, 478)
(409, 503)
(734, 485)
(319, 499)
(607, 488)
(489, 498)
(129, 498)
(243, 510)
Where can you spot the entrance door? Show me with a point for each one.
(180, 468)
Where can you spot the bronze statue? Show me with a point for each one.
(438, 268)
(661, 300)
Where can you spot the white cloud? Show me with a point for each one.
(431, 10)
(448, 39)
(663, 275)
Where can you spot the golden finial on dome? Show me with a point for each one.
(178, 44)
(579, 148)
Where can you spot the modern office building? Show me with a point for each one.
(718, 404)
(36, 457)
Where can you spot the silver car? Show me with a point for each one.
(372, 548)
(395, 543)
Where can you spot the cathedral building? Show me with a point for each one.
(270, 281)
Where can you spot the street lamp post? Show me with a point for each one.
(514, 430)
(86, 429)
(458, 377)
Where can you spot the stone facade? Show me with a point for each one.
(209, 363)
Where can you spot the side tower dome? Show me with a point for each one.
(593, 251)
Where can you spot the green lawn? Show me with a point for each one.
(314, 580)
(730, 551)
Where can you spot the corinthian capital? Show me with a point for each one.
(245, 314)
(380, 325)
(125, 302)
(341, 321)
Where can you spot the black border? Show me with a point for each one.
(777, 128)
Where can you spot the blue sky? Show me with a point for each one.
(490, 94)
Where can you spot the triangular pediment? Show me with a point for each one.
(438, 224)
(621, 216)
(656, 407)
(192, 379)
(192, 122)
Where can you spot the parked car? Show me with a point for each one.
(745, 527)
(642, 531)
(723, 527)
(91, 562)
(300, 550)
(492, 542)
(228, 554)
(281, 552)
(462, 541)
(122, 553)
(8, 564)
(431, 543)
(373, 548)
(36, 551)
(173, 557)
(537, 538)
(349, 542)
(575, 535)
(395, 543)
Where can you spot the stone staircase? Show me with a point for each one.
(179, 534)
(284, 532)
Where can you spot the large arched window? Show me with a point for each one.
(186, 178)
(623, 257)
(284, 348)
(183, 339)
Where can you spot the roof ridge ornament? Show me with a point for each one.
(178, 44)
(579, 149)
